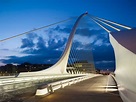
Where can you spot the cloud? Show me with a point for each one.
(88, 32)
(28, 42)
(41, 44)
(48, 47)
(86, 35)
(99, 42)
(39, 59)
(56, 44)
(59, 29)
(39, 47)
(4, 49)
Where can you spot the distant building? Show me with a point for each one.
(85, 66)
(27, 67)
(10, 69)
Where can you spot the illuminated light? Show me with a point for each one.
(18, 80)
(121, 89)
(1, 83)
(56, 87)
(42, 92)
(27, 79)
(64, 84)
(108, 86)
(35, 78)
(110, 89)
(103, 90)
(71, 82)
(7, 81)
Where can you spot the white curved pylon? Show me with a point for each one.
(123, 43)
(125, 72)
(60, 66)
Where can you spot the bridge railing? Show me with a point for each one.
(9, 84)
(51, 87)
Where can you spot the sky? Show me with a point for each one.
(18, 16)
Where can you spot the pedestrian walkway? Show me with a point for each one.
(91, 90)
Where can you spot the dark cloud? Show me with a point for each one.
(28, 42)
(80, 46)
(42, 50)
(37, 59)
(80, 31)
(56, 44)
(65, 29)
(88, 32)
(40, 44)
(4, 49)
(99, 36)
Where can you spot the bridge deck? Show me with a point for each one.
(91, 90)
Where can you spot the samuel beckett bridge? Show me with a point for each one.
(82, 86)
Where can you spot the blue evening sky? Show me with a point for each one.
(18, 16)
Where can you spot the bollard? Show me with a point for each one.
(42, 91)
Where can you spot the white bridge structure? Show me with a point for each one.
(123, 42)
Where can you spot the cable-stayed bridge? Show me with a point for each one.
(124, 56)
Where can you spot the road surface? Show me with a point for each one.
(91, 90)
